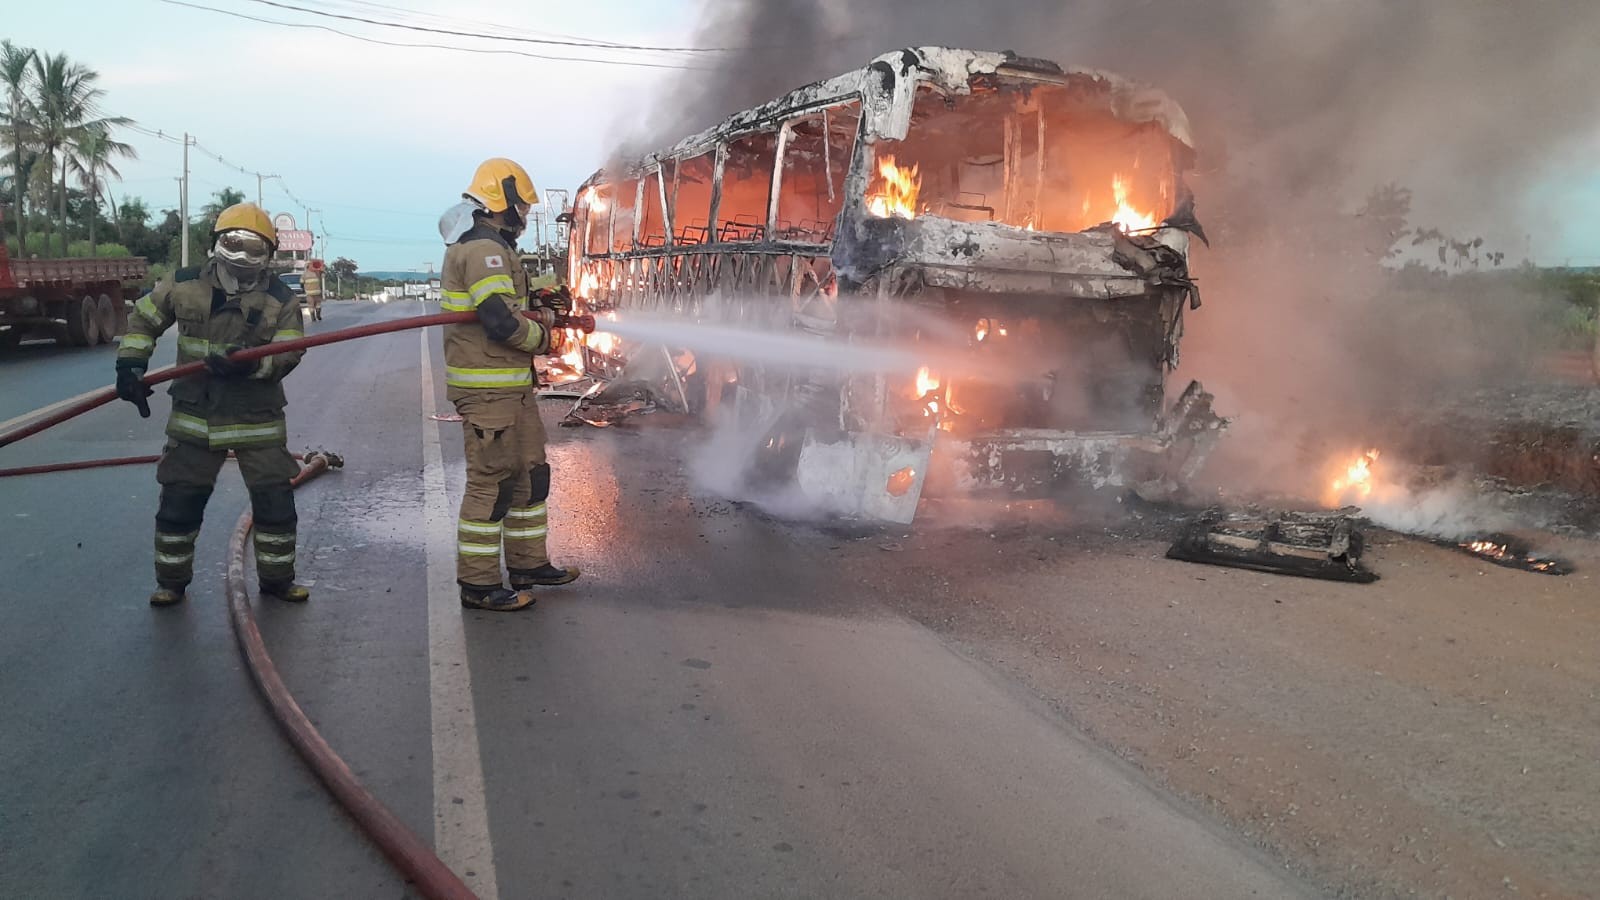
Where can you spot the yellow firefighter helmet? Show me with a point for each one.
(500, 183)
(249, 217)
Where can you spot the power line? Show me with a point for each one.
(500, 37)
(434, 242)
(561, 40)
(415, 15)
(416, 46)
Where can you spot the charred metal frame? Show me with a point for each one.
(871, 262)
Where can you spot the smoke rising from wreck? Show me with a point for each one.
(1300, 111)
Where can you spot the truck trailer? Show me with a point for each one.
(79, 302)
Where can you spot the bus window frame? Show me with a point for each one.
(852, 160)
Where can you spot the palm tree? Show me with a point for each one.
(15, 63)
(134, 211)
(220, 201)
(66, 105)
(90, 155)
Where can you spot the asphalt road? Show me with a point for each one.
(715, 710)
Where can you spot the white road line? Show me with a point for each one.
(460, 808)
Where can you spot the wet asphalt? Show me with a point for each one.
(712, 711)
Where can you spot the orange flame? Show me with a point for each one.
(588, 283)
(604, 342)
(896, 192)
(928, 383)
(572, 358)
(1354, 484)
(1126, 217)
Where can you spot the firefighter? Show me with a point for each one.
(489, 378)
(231, 302)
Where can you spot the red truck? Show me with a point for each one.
(77, 301)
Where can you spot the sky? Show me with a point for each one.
(382, 139)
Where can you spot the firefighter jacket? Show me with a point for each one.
(492, 357)
(219, 413)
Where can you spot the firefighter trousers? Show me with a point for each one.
(508, 486)
(188, 473)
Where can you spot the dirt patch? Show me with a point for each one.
(1529, 436)
(1436, 732)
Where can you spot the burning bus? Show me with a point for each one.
(1025, 223)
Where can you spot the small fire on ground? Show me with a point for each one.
(1354, 483)
(1504, 550)
(1359, 481)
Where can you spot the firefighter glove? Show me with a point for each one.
(558, 298)
(221, 366)
(131, 387)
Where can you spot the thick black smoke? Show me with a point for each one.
(1463, 101)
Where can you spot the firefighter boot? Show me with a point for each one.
(166, 596)
(547, 575)
(287, 591)
(495, 599)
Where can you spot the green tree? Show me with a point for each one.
(343, 273)
(91, 156)
(220, 201)
(15, 73)
(134, 214)
(66, 112)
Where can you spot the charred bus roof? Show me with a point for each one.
(886, 88)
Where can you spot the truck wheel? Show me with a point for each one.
(107, 315)
(83, 321)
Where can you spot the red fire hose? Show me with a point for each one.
(89, 464)
(410, 855)
(106, 395)
(404, 849)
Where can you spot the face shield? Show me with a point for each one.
(457, 220)
(245, 253)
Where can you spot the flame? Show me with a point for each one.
(573, 357)
(896, 193)
(980, 330)
(1497, 552)
(901, 481)
(1354, 484)
(604, 342)
(597, 203)
(588, 283)
(928, 383)
(1128, 218)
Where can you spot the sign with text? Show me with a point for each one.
(292, 241)
(283, 222)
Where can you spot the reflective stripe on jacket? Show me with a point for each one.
(479, 266)
(220, 412)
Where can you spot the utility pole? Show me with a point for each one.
(260, 178)
(183, 200)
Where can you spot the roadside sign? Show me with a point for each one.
(292, 241)
(283, 222)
